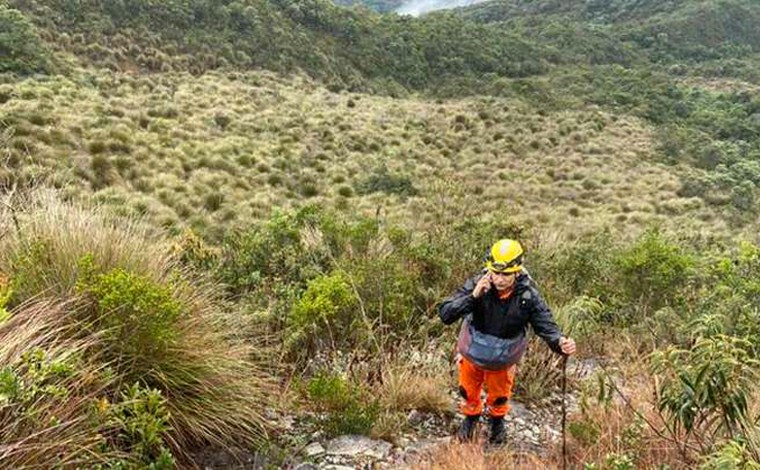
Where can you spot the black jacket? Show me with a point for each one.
(503, 318)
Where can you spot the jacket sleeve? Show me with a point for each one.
(459, 304)
(542, 321)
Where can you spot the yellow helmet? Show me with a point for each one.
(505, 256)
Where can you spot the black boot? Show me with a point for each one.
(467, 428)
(498, 431)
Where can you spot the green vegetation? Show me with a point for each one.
(329, 42)
(20, 47)
(350, 410)
(123, 315)
(232, 181)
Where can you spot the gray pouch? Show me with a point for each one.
(488, 351)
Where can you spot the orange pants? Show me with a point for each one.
(498, 389)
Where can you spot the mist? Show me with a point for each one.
(419, 7)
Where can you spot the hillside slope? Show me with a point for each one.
(548, 59)
(225, 148)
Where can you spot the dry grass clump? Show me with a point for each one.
(49, 385)
(618, 424)
(611, 431)
(120, 132)
(456, 456)
(409, 385)
(129, 306)
(52, 237)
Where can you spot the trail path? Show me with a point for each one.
(531, 429)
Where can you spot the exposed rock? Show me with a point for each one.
(517, 409)
(305, 466)
(286, 423)
(314, 449)
(414, 418)
(355, 445)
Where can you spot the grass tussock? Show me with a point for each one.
(269, 154)
(409, 386)
(139, 316)
(49, 387)
(456, 456)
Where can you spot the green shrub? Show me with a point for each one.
(47, 391)
(137, 425)
(129, 311)
(308, 190)
(96, 147)
(345, 191)
(381, 180)
(20, 47)
(326, 312)
(5, 295)
(582, 317)
(348, 407)
(38, 378)
(706, 387)
(736, 453)
(102, 171)
(583, 267)
(618, 461)
(585, 432)
(730, 306)
(137, 314)
(222, 120)
(653, 271)
(273, 250)
(213, 201)
(274, 179)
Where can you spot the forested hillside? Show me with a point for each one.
(689, 68)
(225, 227)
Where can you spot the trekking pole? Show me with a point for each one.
(564, 412)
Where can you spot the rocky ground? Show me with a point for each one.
(530, 428)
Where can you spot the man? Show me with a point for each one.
(497, 307)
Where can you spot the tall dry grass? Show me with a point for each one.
(407, 385)
(215, 386)
(45, 239)
(39, 425)
(475, 456)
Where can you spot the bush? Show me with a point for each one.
(136, 425)
(222, 120)
(138, 315)
(21, 49)
(653, 271)
(274, 250)
(213, 201)
(309, 190)
(736, 453)
(48, 388)
(325, 313)
(708, 388)
(383, 181)
(585, 432)
(349, 408)
(5, 296)
(345, 191)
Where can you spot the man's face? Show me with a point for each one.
(502, 281)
